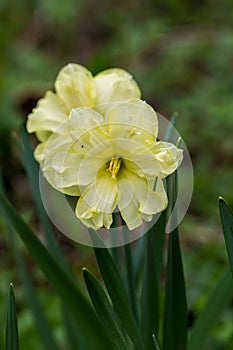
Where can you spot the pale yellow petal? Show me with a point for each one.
(97, 202)
(55, 144)
(101, 195)
(168, 156)
(147, 217)
(107, 220)
(136, 157)
(154, 159)
(59, 141)
(43, 136)
(39, 152)
(61, 182)
(152, 202)
(76, 87)
(87, 128)
(102, 220)
(66, 167)
(134, 120)
(92, 219)
(131, 215)
(144, 165)
(71, 191)
(63, 160)
(128, 203)
(88, 170)
(60, 165)
(115, 85)
(84, 119)
(137, 201)
(46, 151)
(48, 115)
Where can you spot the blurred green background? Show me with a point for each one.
(181, 54)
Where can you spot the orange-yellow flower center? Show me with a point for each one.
(114, 167)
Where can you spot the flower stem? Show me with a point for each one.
(130, 279)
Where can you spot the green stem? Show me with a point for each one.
(116, 250)
(130, 279)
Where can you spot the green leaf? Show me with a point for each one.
(139, 257)
(104, 309)
(43, 328)
(32, 171)
(131, 279)
(219, 298)
(159, 243)
(175, 313)
(73, 335)
(11, 322)
(155, 342)
(118, 296)
(170, 128)
(227, 225)
(152, 274)
(66, 288)
(116, 251)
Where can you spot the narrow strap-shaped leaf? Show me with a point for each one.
(175, 313)
(152, 275)
(227, 226)
(43, 328)
(150, 312)
(159, 242)
(116, 251)
(104, 309)
(218, 299)
(130, 279)
(66, 288)
(172, 123)
(32, 171)
(12, 342)
(45, 334)
(155, 342)
(116, 255)
(138, 258)
(118, 295)
(44, 331)
(75, 340)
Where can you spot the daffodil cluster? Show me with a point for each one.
(98, 142)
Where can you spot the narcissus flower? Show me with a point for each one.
(76, 87)
(108, 157)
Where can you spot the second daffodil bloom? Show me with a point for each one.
(109, 158)
(76, 87)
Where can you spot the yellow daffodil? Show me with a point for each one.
(76, 87)
(108, 157)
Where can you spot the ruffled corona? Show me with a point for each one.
(111, 161)
(76, 87)
(99, 143)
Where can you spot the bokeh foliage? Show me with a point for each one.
(181, 54)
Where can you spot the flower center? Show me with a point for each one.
(114, 167)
